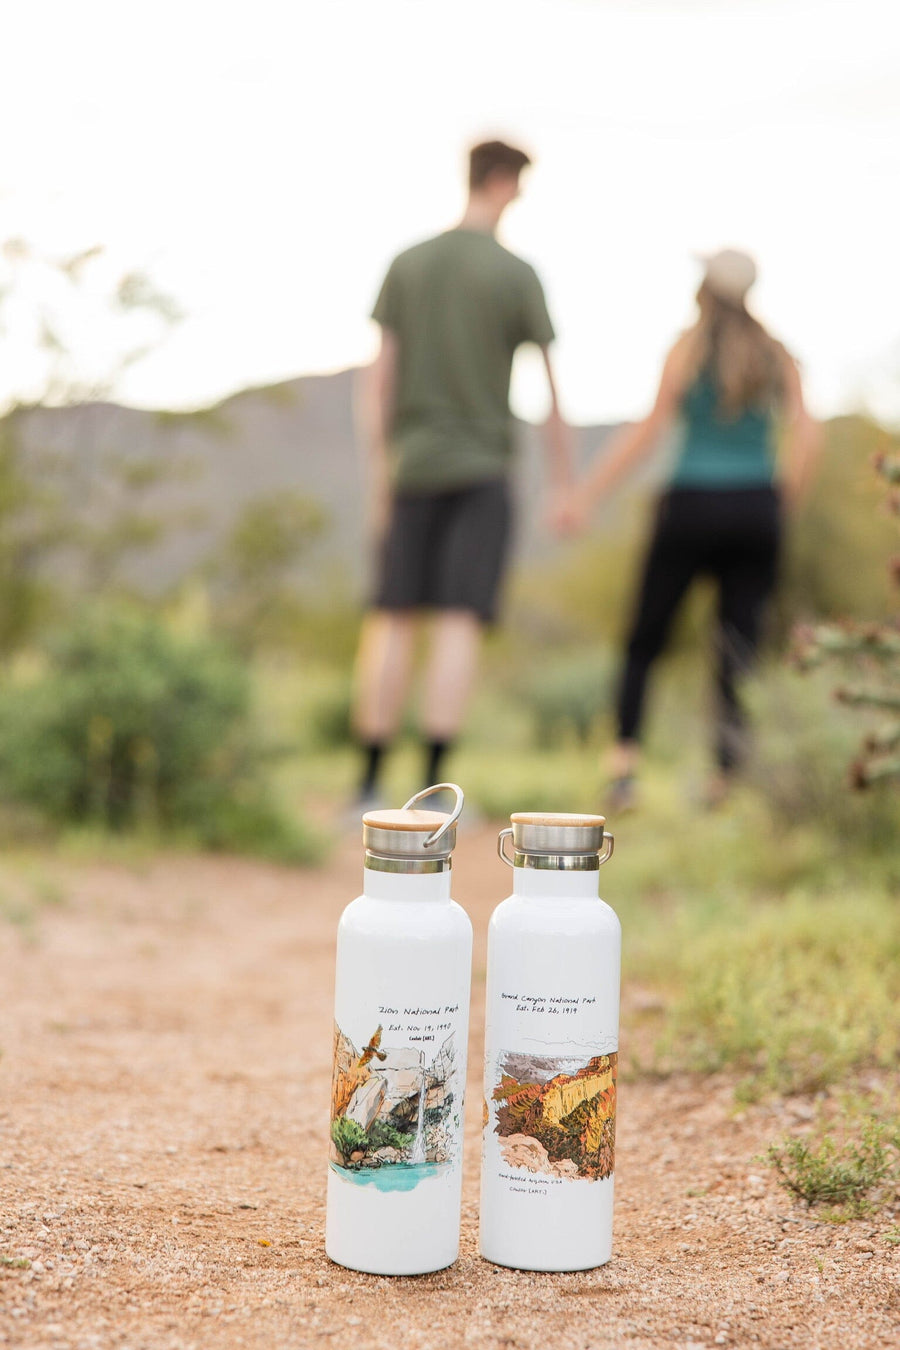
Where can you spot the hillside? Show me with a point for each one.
(207, 465)
(187, 477)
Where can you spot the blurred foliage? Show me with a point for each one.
(803, 740)
(326, 718)
(841, 538)
(255, 596)
(54, 547)
(128, 726)
(269, 536)
(48, 301)
(49, 544)
(30, 532)
(783, 993)
(567, 694)
(582, 589)
(872, 651)
(215, 419)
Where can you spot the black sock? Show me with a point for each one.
(374, 752)
(435, 753)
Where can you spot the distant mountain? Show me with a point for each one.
(208, 465)
(534, 1068)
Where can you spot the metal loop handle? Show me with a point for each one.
(501, 840)
(605, 856)
(451, 819)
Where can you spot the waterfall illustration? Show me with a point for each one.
(418, 1148)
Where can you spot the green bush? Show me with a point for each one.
(348, 1137)
(383, 1135)
(130, 726)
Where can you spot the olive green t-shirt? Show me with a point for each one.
(459, 305)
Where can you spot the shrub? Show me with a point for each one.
(130, 726)
(800, 743)
(348, 1137)
(843, 1176)
(383, 1135)
(872, 649)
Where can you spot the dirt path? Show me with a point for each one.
(165, 1037)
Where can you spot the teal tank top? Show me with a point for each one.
(716, 451)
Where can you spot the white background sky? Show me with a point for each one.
(267, 159)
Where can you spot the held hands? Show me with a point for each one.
(570, 511)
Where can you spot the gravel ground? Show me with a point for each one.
(165, 1034)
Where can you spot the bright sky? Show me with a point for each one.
(266, 161)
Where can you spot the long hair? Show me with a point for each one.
(743, 360)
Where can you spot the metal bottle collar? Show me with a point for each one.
(408, 841)
(556, 842)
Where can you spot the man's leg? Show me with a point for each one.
(470, 549)
(450, 670)
(385, 657)
(381, 684)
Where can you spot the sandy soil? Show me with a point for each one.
(165, 1035)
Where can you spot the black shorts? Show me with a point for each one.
(446, 550)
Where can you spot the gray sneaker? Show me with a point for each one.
(356, 808)
(621, 796)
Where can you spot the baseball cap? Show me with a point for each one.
(729, 273)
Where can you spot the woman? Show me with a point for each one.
(727, 381)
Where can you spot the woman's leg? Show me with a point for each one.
(672, 562)
(747, 571)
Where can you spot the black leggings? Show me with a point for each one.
(733, 535)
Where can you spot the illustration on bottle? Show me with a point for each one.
(555, 1115)
(396, 1111)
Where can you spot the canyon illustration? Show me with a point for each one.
(557, 1117)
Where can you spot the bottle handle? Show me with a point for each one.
(501, 840)
(453, 816)
(608, 840)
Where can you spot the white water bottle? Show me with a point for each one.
(551, 1042)
(404, 961)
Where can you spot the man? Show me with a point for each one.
(452, 312)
